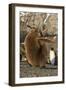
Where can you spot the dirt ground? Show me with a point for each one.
(27, 70)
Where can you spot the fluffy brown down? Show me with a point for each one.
(36, 50)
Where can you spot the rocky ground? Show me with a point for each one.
(27, 70)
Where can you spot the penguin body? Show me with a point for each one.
(36, 50)
(52, 57)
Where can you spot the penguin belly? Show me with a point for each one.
(52, 57)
